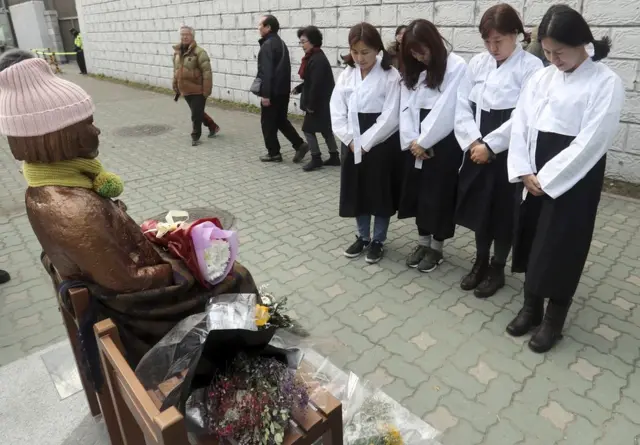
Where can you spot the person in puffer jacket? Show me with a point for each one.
(192, 79)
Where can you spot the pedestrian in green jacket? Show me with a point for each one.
(192, 78)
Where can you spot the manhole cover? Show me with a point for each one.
(143, 130)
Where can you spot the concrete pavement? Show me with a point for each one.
(434, 348)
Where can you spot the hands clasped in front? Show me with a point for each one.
(480, 153)
(532, 184)
(418, 151)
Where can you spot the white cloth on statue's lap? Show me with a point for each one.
(585, 104)
(491, 87)
(378, 92)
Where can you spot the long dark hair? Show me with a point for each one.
(396, 44)
(565, 25)
(369, 35)
(502, 18)
(418, 35)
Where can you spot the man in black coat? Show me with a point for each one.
(274, 74)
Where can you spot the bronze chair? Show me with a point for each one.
(140, 421)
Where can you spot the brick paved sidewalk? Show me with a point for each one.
(434, 348)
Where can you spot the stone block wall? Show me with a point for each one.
(131, 39)
(53, 29)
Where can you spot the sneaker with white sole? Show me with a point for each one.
(375, 252)
(431, 261)
(416, 256)
(357, 248)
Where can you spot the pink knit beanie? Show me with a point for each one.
(34, 101)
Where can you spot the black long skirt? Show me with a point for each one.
(553, 236)
(429, 194)
(485, 196)
(371, 187)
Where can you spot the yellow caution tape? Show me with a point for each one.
(47, 52)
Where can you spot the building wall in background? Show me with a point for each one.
(6, 35)
(131, 39)
(65, 8)
(53, 29)
(30, 25)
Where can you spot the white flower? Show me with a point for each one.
(216, 258)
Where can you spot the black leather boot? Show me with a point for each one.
(529, 317)
(301, 152)
(477, 274)
(271, 158)
(493, 281)
(550, 331)
(314, 164)
(333, 160)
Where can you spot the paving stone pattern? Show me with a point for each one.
(434, 348)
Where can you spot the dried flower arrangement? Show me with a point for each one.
(388, 435)
(252, 402)
(373, 425)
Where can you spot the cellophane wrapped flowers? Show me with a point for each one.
(253, 400)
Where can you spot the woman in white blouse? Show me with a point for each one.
(486, 99)
(364, 116)
(565, 121)
(430, 79)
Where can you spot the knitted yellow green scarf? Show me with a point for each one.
(79, 172)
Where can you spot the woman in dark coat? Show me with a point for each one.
(316, 89)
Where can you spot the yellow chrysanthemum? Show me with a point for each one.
(262, 315)
(393, 436)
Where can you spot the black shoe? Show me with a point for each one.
(550, 331)
(476, 276)
(528, 318)
(314, 164)
(271, 158)
(416, 256)
(431, 261)
(195, 143)
(4, 277)
(357, 248)
(492, 283)
(213, 133)
(301, 152)
(334, 160)
(375, 252)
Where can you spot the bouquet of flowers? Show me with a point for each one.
(252, 401)
(270, 312)
(373, 424)
(215, 249)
